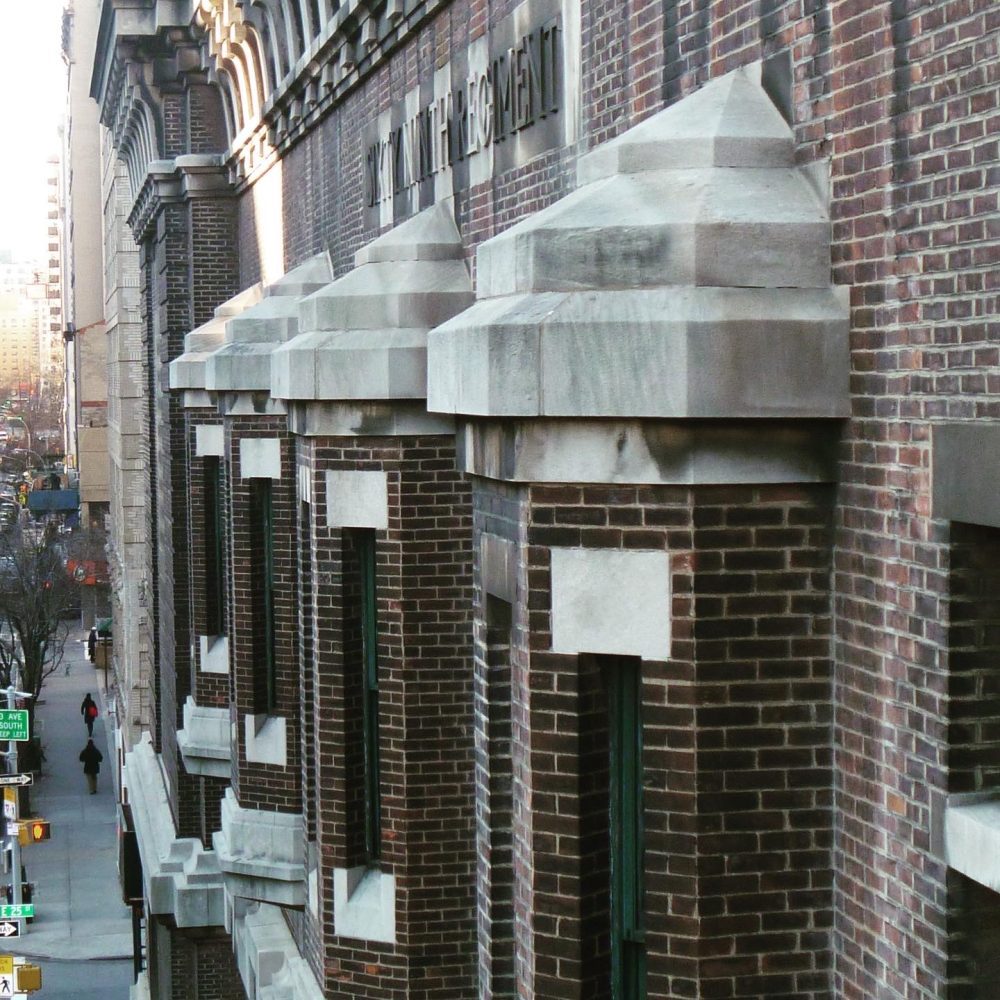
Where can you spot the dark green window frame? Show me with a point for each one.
(262, 553)
(214, 534)
(364, 543)
(628, 946)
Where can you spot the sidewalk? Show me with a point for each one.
(78, 904)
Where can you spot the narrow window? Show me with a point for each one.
(363, 543)
(628, 949)
(215, 584)
(262, 542)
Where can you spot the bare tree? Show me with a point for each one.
(36, 594)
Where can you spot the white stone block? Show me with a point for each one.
(972, 841)
(213, 654)
(266, 740)
(611, 601)
(209, 440)
(260, 458)
(357, 499)
(364, 904)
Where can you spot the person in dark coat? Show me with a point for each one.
(92, 646)
(88, 709)
(91, 758)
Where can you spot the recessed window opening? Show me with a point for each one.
(361, 663)
(262, 548)
(214, 558)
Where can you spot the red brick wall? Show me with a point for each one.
(264, 786)
(423, 590)
(738, 727)
(206, 965)
(209, 689)
(913, 129)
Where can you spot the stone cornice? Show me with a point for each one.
(186, 178)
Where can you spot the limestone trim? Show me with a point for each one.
(966, 472)
(261, 854)
(650, 451)
(364, 904)
(182, 879)
(188, 370)
(205, 742)
(688, 277)
(972, 838)
(364, 336)
(270, 964)
(186, 178)
(241, 363)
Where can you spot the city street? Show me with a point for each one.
(81, 936)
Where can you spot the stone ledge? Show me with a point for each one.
(270, 964)
(261, 854)
(671, 453)
(181, 878)
(972, 838)
(204, 742)
(966, 464)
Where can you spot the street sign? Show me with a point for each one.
(15, 911)
(6, 986)
(10, 928)
(16, 779)
(13, 726)
(7, 965)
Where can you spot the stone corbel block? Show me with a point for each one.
(261, 854)
(204, 742)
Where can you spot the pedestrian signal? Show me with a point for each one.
(28, 978)
(39, 830)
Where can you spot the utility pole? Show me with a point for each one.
(15, 844)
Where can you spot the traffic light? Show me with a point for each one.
(39, 830)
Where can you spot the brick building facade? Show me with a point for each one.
(570, 506)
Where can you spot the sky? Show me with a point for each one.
(33, 89)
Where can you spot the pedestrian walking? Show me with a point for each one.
(88, 709)
(92, 644)
(91, 758)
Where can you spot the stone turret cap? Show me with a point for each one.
(187, 371)
(730, 122)
(364, 335)
(687, 278)
(242, 362)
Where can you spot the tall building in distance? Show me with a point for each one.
(31, 323)
(84, 330)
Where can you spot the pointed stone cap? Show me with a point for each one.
(187, 371)
(242, 362)
(703, 193)
(688, 278)
(364, 336)
(429, 235)
(730, 122)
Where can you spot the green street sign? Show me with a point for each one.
(13, 724)
(16, 911)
